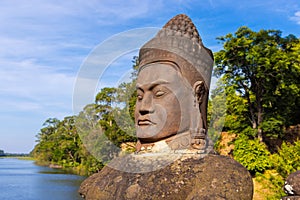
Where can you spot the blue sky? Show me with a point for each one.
(44, 43)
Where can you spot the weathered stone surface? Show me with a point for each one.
(291, 198)
(173, 81)
(212, 177)
(294, 181)
(292, 186)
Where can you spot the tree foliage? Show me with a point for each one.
(59, 143)
(287, 160)
(261, 70)
(252, 154)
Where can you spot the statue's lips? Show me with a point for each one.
(145, 122)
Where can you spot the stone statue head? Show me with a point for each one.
(172, 87)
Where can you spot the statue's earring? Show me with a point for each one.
(198, 133)
(197, 88)
(199, 91)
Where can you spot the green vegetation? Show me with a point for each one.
(260, 71)
(85, 142)
(259, 75)
(287, 160)
(252, 154)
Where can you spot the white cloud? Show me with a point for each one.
(27, 86)
(296, 17)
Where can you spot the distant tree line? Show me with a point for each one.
(2, 154)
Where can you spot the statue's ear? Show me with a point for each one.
(199, 90)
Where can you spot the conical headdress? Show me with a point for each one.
(179, 42)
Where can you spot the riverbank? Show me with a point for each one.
(22, 157)
(77, 170)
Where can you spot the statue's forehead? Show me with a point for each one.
(158, 71)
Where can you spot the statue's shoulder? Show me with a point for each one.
(211, 177)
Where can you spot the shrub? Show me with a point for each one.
(252, 154)
(287, 160)
(269, 185)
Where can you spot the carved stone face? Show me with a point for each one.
(164, 99)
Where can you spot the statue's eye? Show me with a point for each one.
(139, 97)
(159, 93)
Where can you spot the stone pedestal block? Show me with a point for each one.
(211, 177)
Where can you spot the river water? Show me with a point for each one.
(22, 179)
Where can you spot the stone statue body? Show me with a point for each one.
(172, 159)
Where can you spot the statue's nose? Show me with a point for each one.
(147, 104)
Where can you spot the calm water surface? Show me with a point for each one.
(22, 179)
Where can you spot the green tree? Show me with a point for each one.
(46, 145)
(59, 143)
(49, 127)
(257, 66)
(115, 120)
(87, 141)
(116, 110)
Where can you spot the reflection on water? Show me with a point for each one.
(22, 179)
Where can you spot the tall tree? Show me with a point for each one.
(257, 65)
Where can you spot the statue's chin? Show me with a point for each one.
(151, 134)
(146, 137)
(147, 133)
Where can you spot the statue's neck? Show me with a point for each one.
(186, 140)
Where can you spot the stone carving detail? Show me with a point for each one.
(173, 83)
(183, 26)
